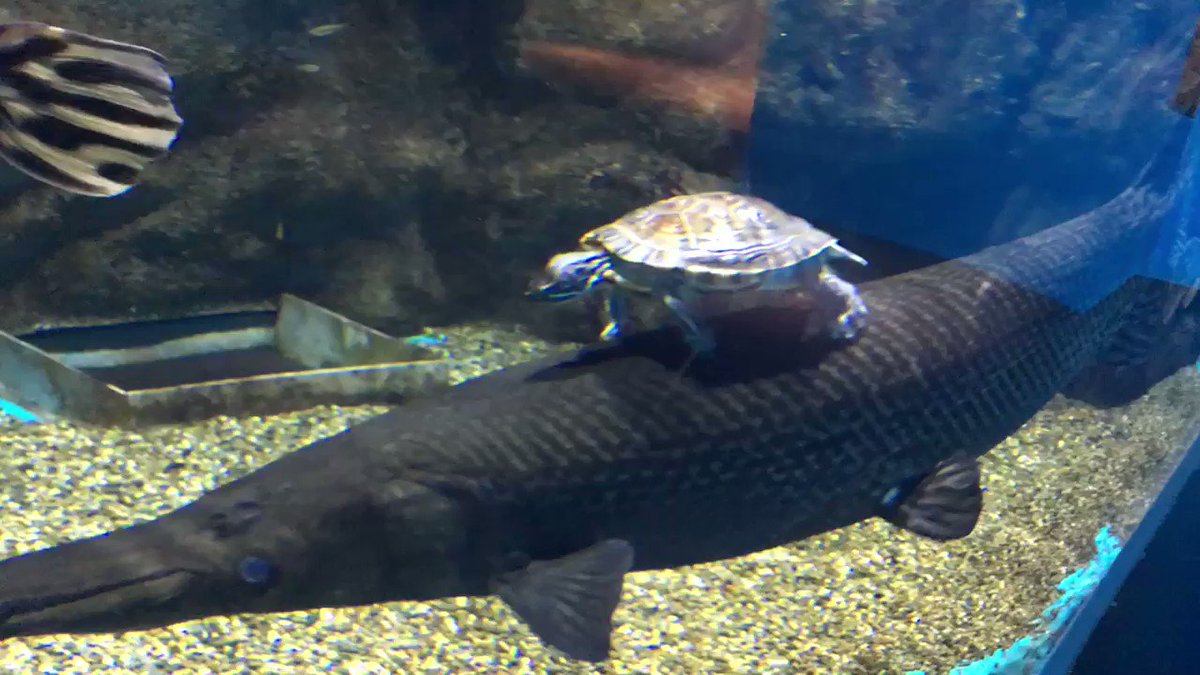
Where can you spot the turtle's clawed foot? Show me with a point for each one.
(612, 332)
(851, 321)
(702, 345)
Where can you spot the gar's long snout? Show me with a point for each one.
(124, 580)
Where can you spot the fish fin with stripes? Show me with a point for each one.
(82, 113)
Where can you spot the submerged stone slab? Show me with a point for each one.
(294, 357)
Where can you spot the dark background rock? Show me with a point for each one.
(404, 170)
(949, 126)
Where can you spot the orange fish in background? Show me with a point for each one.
(721, 87)
(1187, 96)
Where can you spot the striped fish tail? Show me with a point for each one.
(82, 113)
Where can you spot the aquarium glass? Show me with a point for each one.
(972, 275)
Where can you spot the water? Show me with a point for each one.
(412, 165)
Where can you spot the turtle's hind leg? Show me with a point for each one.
(698, 337)
(852, 318)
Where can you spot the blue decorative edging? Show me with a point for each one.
(14, 410)
(427, 340)
(1029, 652)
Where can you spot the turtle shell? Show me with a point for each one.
(719, 233)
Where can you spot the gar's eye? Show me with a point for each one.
(257, 572)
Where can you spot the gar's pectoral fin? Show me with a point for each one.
(943, 504)
(569, 602)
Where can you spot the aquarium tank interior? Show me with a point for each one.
(593, 336)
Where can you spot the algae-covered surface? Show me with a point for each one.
(865, 599)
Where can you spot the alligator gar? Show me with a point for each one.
(545, 484)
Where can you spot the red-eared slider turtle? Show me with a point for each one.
(685, 247)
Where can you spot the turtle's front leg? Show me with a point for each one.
(616, 314)
(851, 320)
(616, 305)
(698, 337)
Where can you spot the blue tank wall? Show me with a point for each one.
(946, 126)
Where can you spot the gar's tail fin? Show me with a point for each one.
(1161, 333)
(1162, 336)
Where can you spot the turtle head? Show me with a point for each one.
(568, 275)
